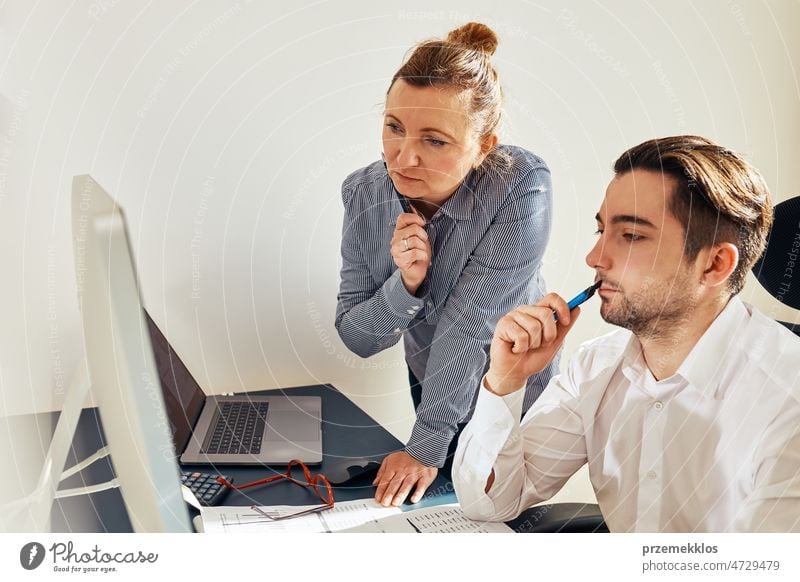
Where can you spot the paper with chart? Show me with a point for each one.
(243, 519)
(438, 519)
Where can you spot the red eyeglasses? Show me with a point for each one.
(293, 473)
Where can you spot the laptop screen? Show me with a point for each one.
(183, 397)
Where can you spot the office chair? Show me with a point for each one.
(560, 518)
(778, 269)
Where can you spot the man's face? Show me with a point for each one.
(648, 285)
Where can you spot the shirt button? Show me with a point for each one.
(651, 475)
(658, 405)
(430, 304)
(397, 330)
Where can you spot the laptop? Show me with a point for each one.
(234, 430)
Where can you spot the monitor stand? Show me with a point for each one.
(33, 510)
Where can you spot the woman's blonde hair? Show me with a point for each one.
(462, 61)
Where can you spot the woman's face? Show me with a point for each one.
(428, 142)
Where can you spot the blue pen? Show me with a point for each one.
(581, 297)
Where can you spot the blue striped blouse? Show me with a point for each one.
(487, 240)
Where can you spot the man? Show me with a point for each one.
(689, 417)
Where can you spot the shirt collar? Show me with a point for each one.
(701, 368)
(459, 205)
(633, 366)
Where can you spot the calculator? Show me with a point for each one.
(205, 486)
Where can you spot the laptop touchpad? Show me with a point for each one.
(293, 426)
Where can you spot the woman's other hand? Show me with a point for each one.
(398, 475)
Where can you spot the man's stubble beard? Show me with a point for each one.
(657, 310)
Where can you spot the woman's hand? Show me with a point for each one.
(400, 472)
(411, 250)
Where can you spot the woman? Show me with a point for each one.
(440, 239)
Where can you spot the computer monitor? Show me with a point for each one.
(122, 371)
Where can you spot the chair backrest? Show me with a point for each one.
(778, 269)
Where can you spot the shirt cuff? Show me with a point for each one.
(428, 446)
(493, 421)
(487, 434)
(402, 304)
(493, 411)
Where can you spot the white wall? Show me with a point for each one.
(225, 133)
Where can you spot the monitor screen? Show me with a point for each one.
(122, 369)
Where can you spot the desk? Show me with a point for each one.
(347, 431)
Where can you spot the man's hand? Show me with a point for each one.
(398, 474)
(525, 342)
(411, 250)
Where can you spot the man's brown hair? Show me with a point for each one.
(719, 196)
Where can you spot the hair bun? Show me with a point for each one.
(476, 36)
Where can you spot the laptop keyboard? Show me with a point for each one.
(239, 428)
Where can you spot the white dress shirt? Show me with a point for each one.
(715, 447)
